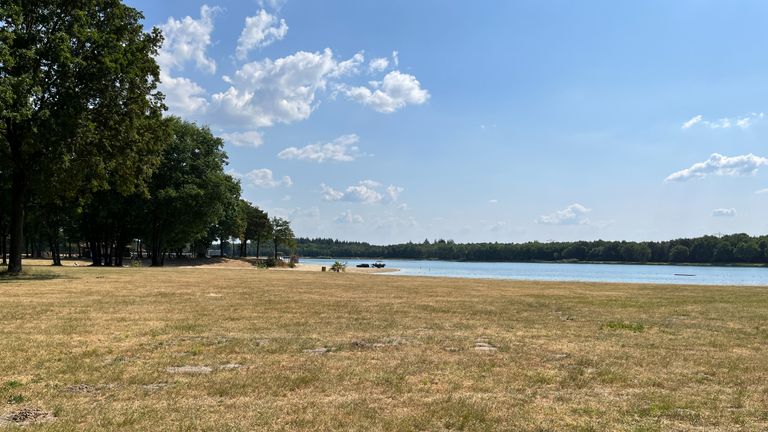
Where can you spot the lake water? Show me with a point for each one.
(657, 274)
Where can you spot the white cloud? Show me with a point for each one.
(262, 178)
(348, 217)
(342, 149)
(183, 96)
(366, 191)
(762, 191)
(574, 214)
(720, 165)
(396, 58)
(692, 122)
(393, 192)
(378, 64)
(742, 122)
(724, 212)
(187, 40)
(272, 4)
(243, 139)
(260, 30)
(266, 92)
(493, 201)
(395, 91)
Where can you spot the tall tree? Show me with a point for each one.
(257, 227)
(282, 234)
(189, 192)
(71, 71)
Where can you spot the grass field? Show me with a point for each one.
(238, 350)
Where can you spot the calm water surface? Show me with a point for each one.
(658, 274)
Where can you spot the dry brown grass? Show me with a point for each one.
(105, 349)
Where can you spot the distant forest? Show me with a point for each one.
(727, 249)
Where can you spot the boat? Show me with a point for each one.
(363, 266)
(378, 264)
(684, 274)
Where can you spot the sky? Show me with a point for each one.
(504, 121)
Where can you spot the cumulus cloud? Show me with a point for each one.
(742, 122)
(263, 93)
(342, 149)
(366, 191)
(574, 214)
(393, 192)
(262, 178)
(243, 139)
(266, 92)
(183, 96)
(720, 165)
(724, 212)
(260, 30)
(187, 40)
(396, 58)
(378, 64)
(395, 91)
(348, 217)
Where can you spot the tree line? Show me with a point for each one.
(87, 156)
(727, 249)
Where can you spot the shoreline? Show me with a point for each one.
(731, 265)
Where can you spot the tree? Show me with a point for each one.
(282, 234)
(232, 224)
(257, 227)
(189, 192)
(67, 67)
(747, 251)
(678, 253)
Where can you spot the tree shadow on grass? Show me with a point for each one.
(27, 275)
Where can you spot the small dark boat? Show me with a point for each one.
(684, 274)
(378, 264)
(363, 266)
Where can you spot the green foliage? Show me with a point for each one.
(708, 249)
(282, 234)
(621, 325)
(338, 266)
(15, 399)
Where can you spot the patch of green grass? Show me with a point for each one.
(12, 384)
(621, 325)
(15, 399)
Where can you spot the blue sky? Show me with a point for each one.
(495, 121)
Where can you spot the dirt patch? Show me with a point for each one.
(27, 416)
(387, 342)
(230, 366)
(484, 345)
(189, 370)
(321, 350)
(155, 386)
(80, 388)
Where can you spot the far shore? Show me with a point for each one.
(682, 264)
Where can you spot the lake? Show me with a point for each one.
(656, 274)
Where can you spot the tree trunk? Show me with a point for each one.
(5, 251)
(258, 248)
(275, 250)
(18, 189)
(221, 247)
